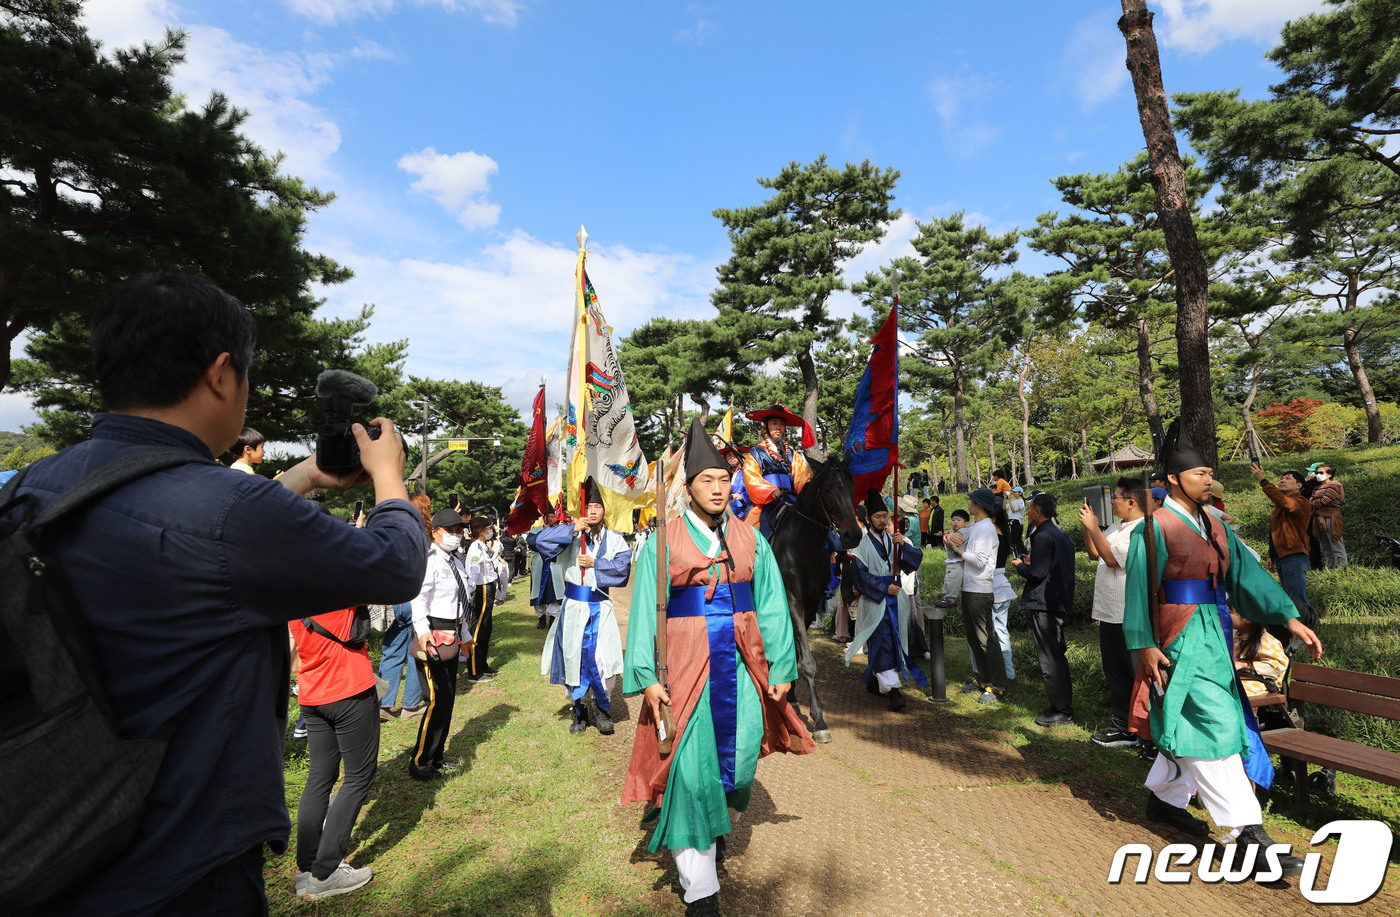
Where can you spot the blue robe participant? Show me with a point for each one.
(882, 619)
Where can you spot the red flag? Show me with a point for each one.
(872, 443)
(533, 500)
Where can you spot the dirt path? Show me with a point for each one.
(927, 811)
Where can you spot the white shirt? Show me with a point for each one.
(481, 569)
(980, 556)
(439, 595)
(1016, 509)
(1110, 583)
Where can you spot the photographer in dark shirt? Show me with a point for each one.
(186, 580)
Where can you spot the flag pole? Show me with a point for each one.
(894, 285)
(579, 319)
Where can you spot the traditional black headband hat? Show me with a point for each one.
(874, 503)
(1178, 452)
(700, 452)
(592, 493)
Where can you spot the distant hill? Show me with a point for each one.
(9, 442)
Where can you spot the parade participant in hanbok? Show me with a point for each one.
(774, 472)
(1186, 697)
(739, 502)
(583, 649)
(546, 579)
(730, 661)
(882, 610)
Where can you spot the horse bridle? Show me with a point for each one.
(821, 501)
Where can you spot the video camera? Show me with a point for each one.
(337, 452)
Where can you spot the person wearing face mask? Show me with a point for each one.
(1185, 696)
(1327, 525)
(438, 613)
(583, 649)
(730, 660)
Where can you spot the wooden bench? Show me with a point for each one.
(1341, 689)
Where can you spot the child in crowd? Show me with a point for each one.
(248, 451)
(953, 569)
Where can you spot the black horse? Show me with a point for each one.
(804, 557)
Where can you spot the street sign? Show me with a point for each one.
(459, 445)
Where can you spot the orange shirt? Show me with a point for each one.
(330, 672)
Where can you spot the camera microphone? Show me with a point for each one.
(339, 391)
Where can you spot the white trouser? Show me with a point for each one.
(697, 872)
(1225, 790)
(552, 609)
(888, 680)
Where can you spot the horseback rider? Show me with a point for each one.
(775, 472)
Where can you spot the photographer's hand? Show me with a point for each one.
(383, 459)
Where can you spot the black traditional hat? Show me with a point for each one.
(874, 503)
(1178, 452)
(700, 452)
(592, 493)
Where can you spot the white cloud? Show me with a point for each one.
(464, 318)
(500, 12)
(123, 23)
(1200, 25)
(951, 95)
(699, 33)
(16, 411)
(1096, 56)
(457, 181)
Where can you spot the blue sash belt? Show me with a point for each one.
(1192, 592)
(730, 599)
(581, 593)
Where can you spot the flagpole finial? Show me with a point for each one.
(582, 237)
(543, 376)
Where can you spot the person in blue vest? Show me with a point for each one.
(775, 472)
(583, 649)
(739, 502)
(883, 608)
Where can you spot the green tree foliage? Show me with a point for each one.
(1338, 103)
(788, 251)
(19, 456)
(107, 174)
(958, 309)
(1117, 271)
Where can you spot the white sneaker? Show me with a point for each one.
(302, 880)
(346, 878)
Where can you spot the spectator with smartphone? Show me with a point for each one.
(1049, 596)
(1289, 540)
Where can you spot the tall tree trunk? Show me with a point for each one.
(1352, 348)
(1025, 418)
(991, 455)
(809, 401)
(1174, 210)
(1146, 378)
(705, 409)
(960, 472)
(952, 474)
(1112, 460)
(1011, 456)
(1073, 467)
(1084, 440)
(933, 468)
(977, 467)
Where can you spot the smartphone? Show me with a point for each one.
(454, 501)
(359, 509)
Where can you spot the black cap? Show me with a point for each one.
(1178, 452)
(592, 493)
(446, 518)
(700, 453)
(874, 503)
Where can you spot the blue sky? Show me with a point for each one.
(468, 139)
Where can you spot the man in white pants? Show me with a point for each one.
(1186, 696)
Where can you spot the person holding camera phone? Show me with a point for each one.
(1186, 697)
(438, 613)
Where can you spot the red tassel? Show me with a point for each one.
(809, 439)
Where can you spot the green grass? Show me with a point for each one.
(525, 828)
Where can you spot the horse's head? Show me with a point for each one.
(837, 492)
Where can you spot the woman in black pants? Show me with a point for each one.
(336, 684)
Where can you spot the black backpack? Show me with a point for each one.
(57, 730)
